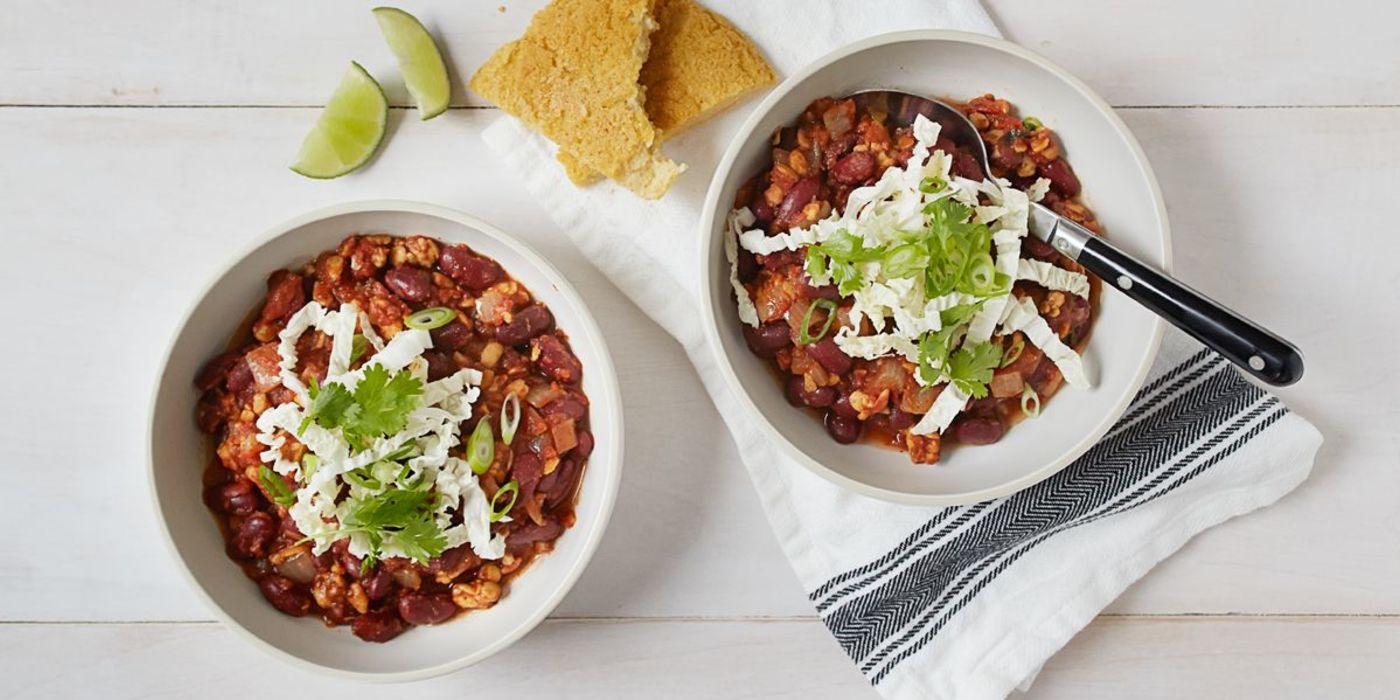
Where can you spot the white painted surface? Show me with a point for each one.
(110, 218)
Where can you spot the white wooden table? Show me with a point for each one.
(143, 142)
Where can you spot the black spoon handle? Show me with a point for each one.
(1252, 347)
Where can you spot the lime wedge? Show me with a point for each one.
(419, 60)
(348, 130)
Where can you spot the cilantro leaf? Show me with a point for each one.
(971, 369)
(275, 487)
(935, 346)
(396, 517)
(332, 406)
(378, 407)
(385, 402)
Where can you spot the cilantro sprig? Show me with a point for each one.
(397, 518)
(378, 407)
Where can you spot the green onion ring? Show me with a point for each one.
(428, 319)
(1013, 353)
(932, 184)
(365, 482)
(982, 273)
(481, 447)
(513, 488)
(1030, 402)
(510, 417)
(1031, 123)
(804, 337)
(357, 347)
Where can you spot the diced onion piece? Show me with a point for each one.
(510, 418)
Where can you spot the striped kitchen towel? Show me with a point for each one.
(963, 602)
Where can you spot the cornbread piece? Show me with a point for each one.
(699, 66)
(573, 77)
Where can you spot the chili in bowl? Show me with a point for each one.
(417, 423)
(872, 297)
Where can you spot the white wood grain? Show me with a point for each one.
(1114, 658)
(209, 52)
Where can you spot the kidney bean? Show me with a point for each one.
(454, 561)
(768, 339)
(828, 291)
(378, 583)
(239, 497)
(980, 431)
(854, 168)
(568, 406)
(254, 536)
(748, 266)
(830, 356)
(377, 626)
(1038, 249)
(525, 324)
(439, 364)
(556, 361)
(762, 210)
(473, 271)
(1062, 177)
(453, 336)
(210, 413)
(531, 533)
(527, 469)
(780, 260)
(585, 445)
(426, 609)
(967, 166)
(797, 394)
(284, 595)
(790, 211)
(841, 429)
(410, 283)
(284, 295)
(216, 370)
(843, 407)
(902, 420)
(240, 378)
(559, 484)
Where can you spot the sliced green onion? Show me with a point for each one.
(1031, 123)
(498, 511)
(1013, 353)
(932, 184)
(804, 337)
(276, 487)
(357, 347)
(903, 261)
(428, 319)
(481, 447)
(401, 453)
(982, 273)
(1030, 402)
(510, 418)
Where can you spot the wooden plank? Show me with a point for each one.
(1114, 658)
(1185, 52)
(134, 209)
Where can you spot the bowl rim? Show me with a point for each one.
(710, 319)
(609, 392)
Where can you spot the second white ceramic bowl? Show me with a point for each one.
(1118, 185)
(179, 452)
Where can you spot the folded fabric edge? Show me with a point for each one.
(1006, 662)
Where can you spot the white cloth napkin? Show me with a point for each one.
(963, 602)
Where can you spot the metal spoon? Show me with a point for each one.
(1252, 347)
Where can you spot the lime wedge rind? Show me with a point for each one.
(349, 129)
(420, 62)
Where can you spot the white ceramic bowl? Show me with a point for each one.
(178, 454)
(1118, 185)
